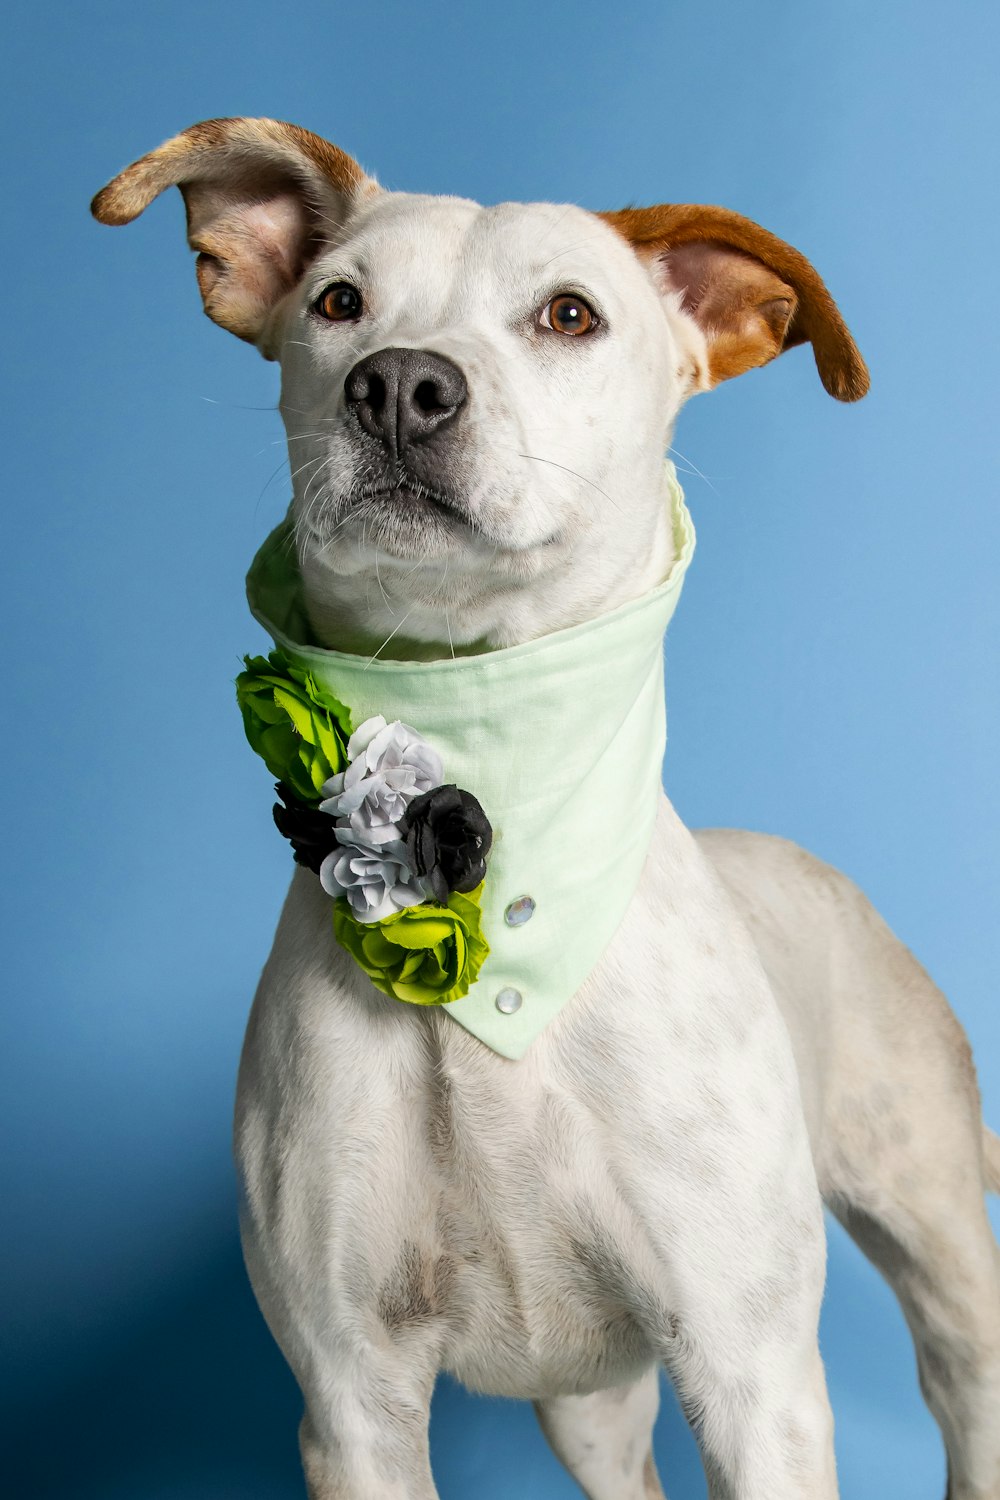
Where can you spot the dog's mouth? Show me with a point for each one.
(411, 497)
(405, 515)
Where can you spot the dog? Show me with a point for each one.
(478, 403)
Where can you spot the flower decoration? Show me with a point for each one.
(390, 764)
(447, 837)
(402, 854)
(426, 955)
(296, 727)
(310, 832)
(375, 880)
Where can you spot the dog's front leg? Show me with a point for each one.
(768, 1436)
(364, 1434)
(752, 1449)
(365, 1347)
(339, 1207)
(736, 1330)
(365, 1360)
(737, 1333)
(705, 1223)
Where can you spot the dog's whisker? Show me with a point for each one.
(236, 405)
(447, 610)
(302, 467)
(568, 250)
(327, 462)
(694, 467)
(290, 438)
(337, 225)
(324, 541)
(267, 484)
(385, 596)
(298, 410)
(389, 637)
(535, 458)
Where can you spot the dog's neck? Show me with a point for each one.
(482, 600)
(560, 739)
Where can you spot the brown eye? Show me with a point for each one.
(569, 314)
(339, 303)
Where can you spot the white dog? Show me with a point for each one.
(478, 401)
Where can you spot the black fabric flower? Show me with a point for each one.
(311, 833)
(447, 837)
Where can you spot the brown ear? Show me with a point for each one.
(752, 295)
(261, 197)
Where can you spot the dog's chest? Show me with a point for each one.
(534, 1223)
(457, 1197)
(537, 1263)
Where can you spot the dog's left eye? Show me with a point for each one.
(570, 314)
(339, 303)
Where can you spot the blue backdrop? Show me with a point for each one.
(833, 668)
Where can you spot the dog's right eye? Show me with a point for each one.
(339, 303)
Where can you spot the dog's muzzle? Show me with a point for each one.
(402, 397)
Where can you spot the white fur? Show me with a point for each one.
(642, 1187)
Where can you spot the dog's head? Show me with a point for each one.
(478, 400)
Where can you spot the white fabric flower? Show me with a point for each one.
(376, 881)
(390, 764)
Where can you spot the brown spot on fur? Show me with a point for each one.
(419, 1288)
(796, 1443)
(765, 1305)
(608, 1280)
(753, 294)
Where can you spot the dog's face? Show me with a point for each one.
(467, 420)
(478, 400)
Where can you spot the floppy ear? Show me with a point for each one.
(752, 295)
(262, 198)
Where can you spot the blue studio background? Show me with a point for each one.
(832, 675)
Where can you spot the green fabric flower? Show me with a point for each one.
(427, 955)
(297, 728)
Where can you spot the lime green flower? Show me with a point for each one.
(427, 955)
(297, 728)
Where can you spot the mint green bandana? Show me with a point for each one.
(561, 740)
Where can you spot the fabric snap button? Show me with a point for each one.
(519, 911)
(509, 1000)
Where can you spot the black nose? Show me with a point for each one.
(401, 396)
